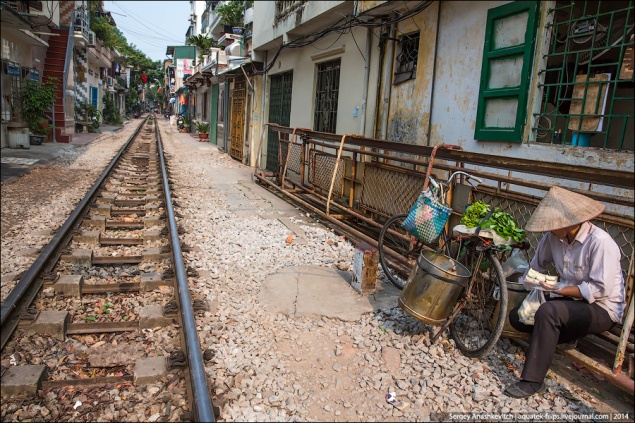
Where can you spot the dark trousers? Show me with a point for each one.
(559, 320)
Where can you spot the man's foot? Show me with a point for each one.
(568, 346)
(524, 389)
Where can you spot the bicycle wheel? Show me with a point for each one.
(476, 328)
(404, 248)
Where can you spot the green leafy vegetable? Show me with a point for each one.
(474, 214)
(504, 225)
(500, 222)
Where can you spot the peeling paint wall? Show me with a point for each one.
(456, 90)
(410, 100)
(453, 102)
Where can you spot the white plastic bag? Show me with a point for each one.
(516, 263)
(528, 308)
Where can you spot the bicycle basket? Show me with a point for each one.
(427, 218)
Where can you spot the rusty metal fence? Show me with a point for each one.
(351, 180)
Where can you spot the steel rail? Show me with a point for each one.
(9, 304)
(202, 399)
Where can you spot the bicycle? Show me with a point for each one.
(479, 312)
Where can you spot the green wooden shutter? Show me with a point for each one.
(505, 73)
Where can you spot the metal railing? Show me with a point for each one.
(351, 178)
(67, 60)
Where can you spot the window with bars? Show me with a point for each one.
(587, 83)
(285, 7)
(326, 96)
(407, 54)
(11, 91)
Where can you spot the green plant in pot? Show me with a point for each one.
(187, 122)
(232, 13)
(37, 100)
(203, 129)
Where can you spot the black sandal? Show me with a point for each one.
(516, 391)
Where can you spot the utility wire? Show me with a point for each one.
(133, 16)
(344, 25)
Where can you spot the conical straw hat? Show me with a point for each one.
(561, 208)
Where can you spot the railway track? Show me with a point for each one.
(104, 315)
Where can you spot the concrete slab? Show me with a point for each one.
(149, 370)
(22, 380)
(52, 322)
(319, 291)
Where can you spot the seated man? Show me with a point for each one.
(589, 298)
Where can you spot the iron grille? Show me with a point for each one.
(238, 119)
(279, 112)
(283, 8)
(12, 91)
(389, 191)
(408, 52)
(321, 167)
(587, 90)
(295, 158)
(326, 95)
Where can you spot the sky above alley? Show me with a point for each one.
(151, 25)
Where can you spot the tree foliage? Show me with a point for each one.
(203, 42)
(232, 13)
(37, 100)
(113, 38)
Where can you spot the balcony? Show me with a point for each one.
(81, 27)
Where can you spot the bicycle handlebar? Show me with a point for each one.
(435, 184)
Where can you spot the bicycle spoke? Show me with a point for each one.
(398, 251)
(474, 329)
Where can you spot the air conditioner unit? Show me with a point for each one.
(92, 40)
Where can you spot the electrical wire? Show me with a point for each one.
(141, 34)
(132, 15)
(342, 26)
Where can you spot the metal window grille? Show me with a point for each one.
(11, 91)
(407, 54)
(280, 90)
(283, 8)
(587, 88)
(326, 95)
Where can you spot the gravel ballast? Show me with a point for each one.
(271, 366)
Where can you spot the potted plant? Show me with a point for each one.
(232, 14)
(40, 131)
(37, 100)
(203, 130)
(186, 124)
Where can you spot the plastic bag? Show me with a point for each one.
(516, 263)
(528, 308)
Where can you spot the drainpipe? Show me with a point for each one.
(262, 110)
(369, 38)
(434, 73)
(388, 62)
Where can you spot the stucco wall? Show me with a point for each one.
(303, 63)
(266, 29)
